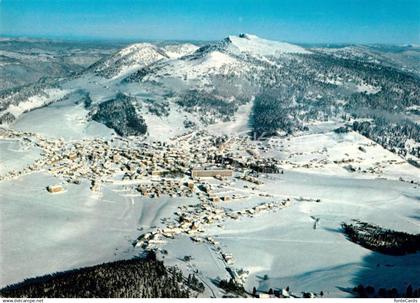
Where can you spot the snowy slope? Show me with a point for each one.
(236, 56)
(255, 46)
(70, 230)
(49, 95)
(230, 65)
(129, 59)
(199, 68)
(290, 252)
(179, 50)
(15, 103)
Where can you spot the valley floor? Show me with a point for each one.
(298, 244)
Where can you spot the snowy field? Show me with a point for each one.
(78, 228)
(15, 155)
(44, 233)
(285, 246)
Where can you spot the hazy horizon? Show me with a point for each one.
(312, 22)
(122, 41)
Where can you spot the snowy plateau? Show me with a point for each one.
(243, 162)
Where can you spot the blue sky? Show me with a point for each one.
(362, 21)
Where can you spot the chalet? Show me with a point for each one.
(55, 188)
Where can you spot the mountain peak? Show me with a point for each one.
(254, 45)
(129, 59)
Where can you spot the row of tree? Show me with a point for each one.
(382, 240)
(370, 292)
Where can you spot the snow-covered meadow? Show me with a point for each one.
(44, 233)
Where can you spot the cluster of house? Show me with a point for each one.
(209, 194)
(277, 293)
(286, 293)
(189, 158)
(12, 174)
(170, 187)
(251, 179)
(100, 160)
(192, 220)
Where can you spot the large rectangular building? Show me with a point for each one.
(207, 173)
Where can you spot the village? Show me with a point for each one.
(223, 176)
(170, 168)
(192, 221)
(182, 168)
(193, 165)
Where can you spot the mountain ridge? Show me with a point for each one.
(176, 87)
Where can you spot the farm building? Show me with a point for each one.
(55, 188)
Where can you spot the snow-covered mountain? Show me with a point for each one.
(270, 86)
(179, 50)
(258, 47)
(128, 59)
(244, 56)
(137, 56)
